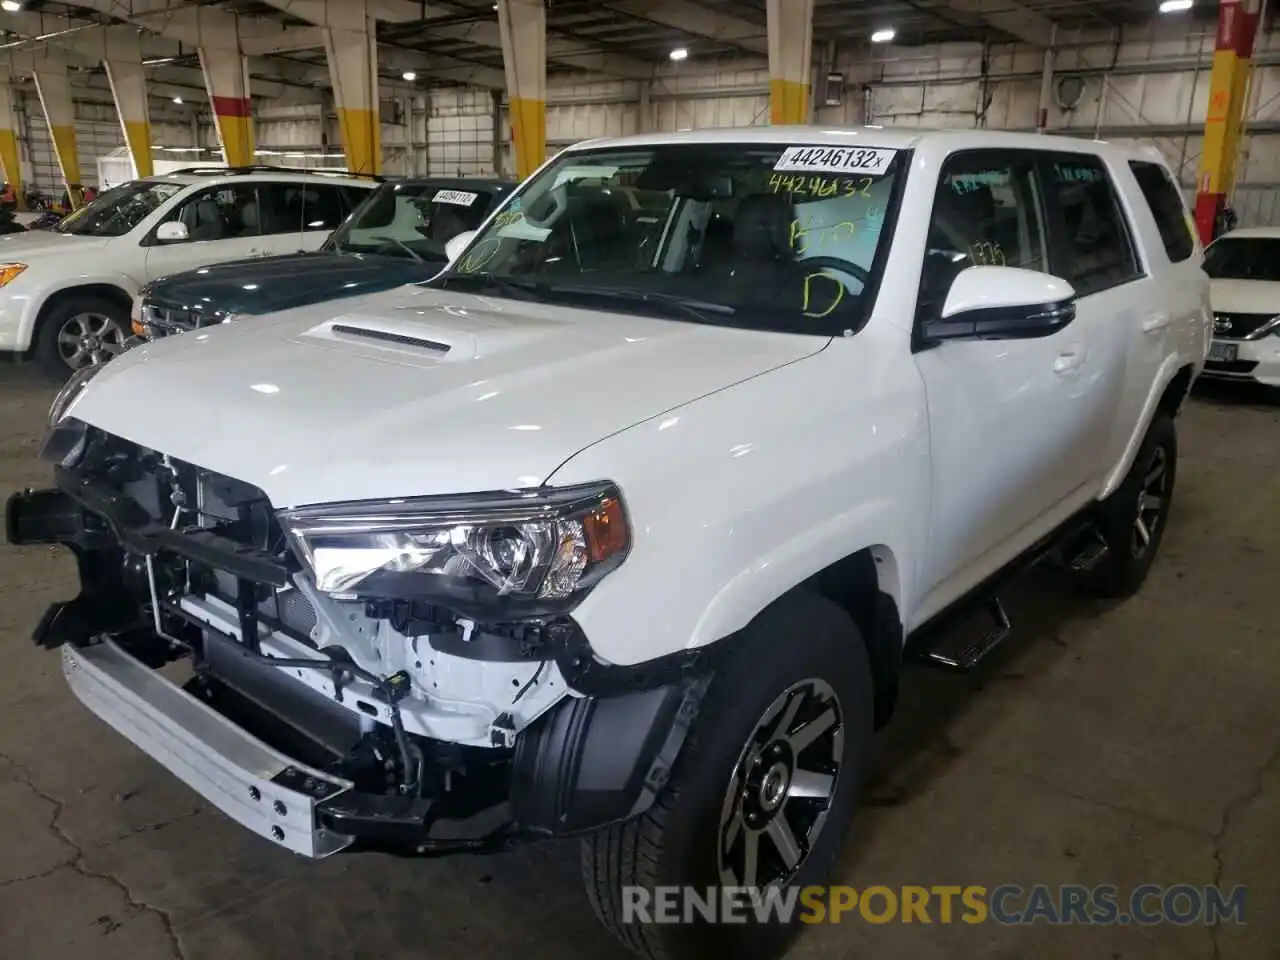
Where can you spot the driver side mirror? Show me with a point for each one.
(1002, 303)
(172, 231)
(455, 245)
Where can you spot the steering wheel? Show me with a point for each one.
(818, 264)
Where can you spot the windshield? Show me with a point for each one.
(118, 210)
(1244, 258)
(769, 236)
(411, 220)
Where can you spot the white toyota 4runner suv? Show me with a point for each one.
(65, 293)
(623, 525)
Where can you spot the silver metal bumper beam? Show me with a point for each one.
(255, 785)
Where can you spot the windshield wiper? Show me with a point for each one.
(402, 245)
(511, 286)
(696, 310)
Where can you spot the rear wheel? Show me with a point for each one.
(78, 331)
(1132, 520)
(761, 795)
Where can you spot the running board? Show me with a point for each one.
(974, 652)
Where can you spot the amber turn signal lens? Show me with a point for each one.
(606, 530)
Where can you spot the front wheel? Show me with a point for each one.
(761, 796)
(1132, 520)
(79, 331)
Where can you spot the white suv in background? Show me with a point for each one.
(1244, 274)
(622, 526)
(65, 293)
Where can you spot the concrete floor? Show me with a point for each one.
(1128, 745)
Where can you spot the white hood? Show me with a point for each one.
(1245, 296)
(21, 246)
(491, 394)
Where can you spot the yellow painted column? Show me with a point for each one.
(54, 88)
(123, 60)
(226, 77)
(352, 51)
(10, 159)
(790, 24)
(523, 26)
(1228, 86)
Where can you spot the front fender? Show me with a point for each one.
(43, 292)
(737, 498)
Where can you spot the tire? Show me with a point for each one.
(802, 644)
(71, 329)
(1131, 524)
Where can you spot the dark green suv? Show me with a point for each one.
(396, 236)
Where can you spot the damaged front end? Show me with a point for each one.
(404, 675)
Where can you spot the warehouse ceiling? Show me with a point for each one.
(457, 42)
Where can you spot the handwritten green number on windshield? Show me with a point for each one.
(479, 258)
(808, 295)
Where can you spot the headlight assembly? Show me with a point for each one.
(503, 555)
(71, 390)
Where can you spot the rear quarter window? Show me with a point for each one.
(1166, 206)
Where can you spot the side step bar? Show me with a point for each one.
(974, 652)
(1076, 547)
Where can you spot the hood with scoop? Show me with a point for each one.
(415, 392)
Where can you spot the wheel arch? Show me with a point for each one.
(865, 584)
(1168, 394)
(117, 292)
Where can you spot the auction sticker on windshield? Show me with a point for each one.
(460, 198)
(871, 160)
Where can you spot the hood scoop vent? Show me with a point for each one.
(387, 336)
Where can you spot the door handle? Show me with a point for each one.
(1156, 322)
(1068, 360)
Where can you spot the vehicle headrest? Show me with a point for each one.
(762, 227)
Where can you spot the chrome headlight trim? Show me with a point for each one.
(71, 390)
(513, 553)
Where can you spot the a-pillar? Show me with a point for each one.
(523, 27)
(54, 88)
(1228, 83)
(123, 61)
(352, 50)
(226, 77)
(9, 157)
(790, 25)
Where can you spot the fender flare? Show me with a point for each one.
(875, 526)
(1170, 369)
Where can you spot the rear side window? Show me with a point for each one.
(1094, 251)
(1166, 206)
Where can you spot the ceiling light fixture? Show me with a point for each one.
(11, 6)
(409, 75)
(679, 53)
(177, 99)
(1176, 6)
(883, 36)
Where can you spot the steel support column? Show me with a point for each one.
(1228, 86)
(54, 89)
(123, 61)
(790, 25)
(523, 25)
(9, 156)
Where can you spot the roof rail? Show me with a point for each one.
(271, 168)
